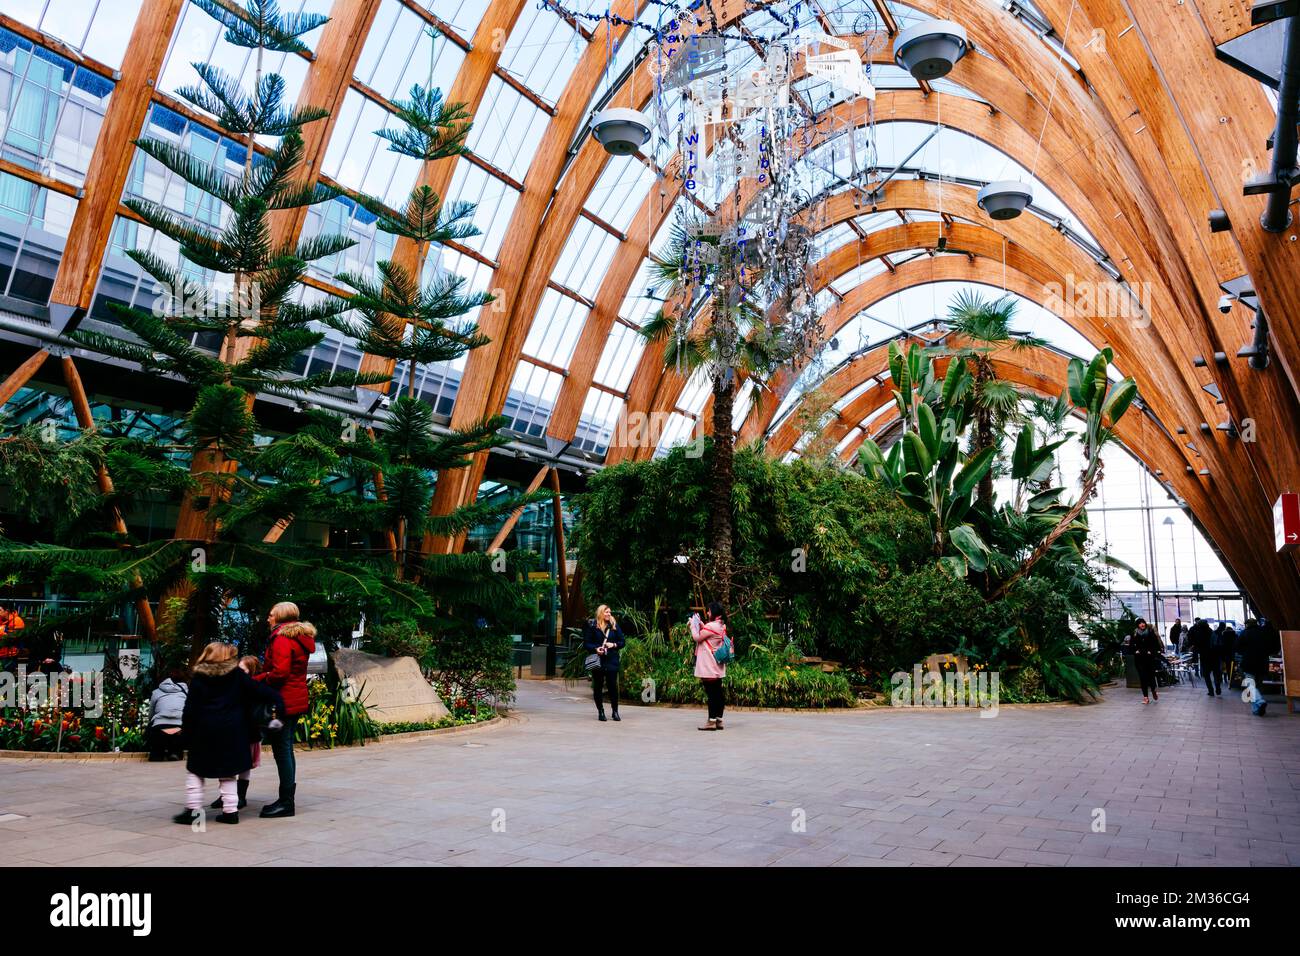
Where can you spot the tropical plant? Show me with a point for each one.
(716, 329)
(401, 318)
(979, 328)
(1102, 405)
(927, 468)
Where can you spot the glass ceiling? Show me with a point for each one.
(423, 41)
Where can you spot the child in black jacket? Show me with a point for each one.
(218, 728)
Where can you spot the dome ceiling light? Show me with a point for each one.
(620, 130)
(929, 50)
(1005, 200)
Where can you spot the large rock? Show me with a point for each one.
(392, 688)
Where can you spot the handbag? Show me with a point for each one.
(724, 654)
(593, 663)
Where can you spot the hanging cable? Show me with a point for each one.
(1056, 78)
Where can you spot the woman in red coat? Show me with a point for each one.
(292, 642)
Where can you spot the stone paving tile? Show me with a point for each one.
(1191, 783)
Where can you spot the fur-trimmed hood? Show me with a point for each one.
(214, 669)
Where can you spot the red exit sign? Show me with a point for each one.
(1286, 521)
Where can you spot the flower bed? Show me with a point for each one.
(120, 725)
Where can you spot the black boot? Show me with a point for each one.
(282, 807)
(242, 786)
(615, 714)
(600, 713)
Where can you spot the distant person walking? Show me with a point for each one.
(1255, 651)
(216, 725)
(1220, 647)
(1146, 658)
(292, 643)
(709, 637)
(1176, 634)
(603, 637)
(1226, 639)
(1207, 649)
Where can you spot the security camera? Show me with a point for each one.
(1225, 304)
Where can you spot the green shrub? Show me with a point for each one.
(763, 677)
(473, 665)
(836, 564)
(398, 639)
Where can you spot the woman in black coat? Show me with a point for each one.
(601, 636)
(1146, 658)
(217, 727)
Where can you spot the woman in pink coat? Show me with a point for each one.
(708, 638)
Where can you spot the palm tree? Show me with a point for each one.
(730, 339)
(984, 327)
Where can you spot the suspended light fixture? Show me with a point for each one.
(620, 130)
(1005, 200)
(929, 50)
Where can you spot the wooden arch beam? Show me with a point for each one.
(909, 275)
(483, 386)
(1023, 274)
(1011, 122)
(1199, 136)
(469, 87)
(1159, 374)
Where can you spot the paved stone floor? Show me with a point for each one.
(1190, 781)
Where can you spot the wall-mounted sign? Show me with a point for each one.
(1286, 521)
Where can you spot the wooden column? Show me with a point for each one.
(81, 407)
(514, 516)
(561, 562)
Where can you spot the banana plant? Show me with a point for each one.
(1102, 405)
(926, 467)
(912, 374)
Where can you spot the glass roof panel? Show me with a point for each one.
(596, 424)
(857, 276)
(507, 129)
(100, 29)
(399, 53)
(612, 198)
(586, 255)
(618, 360)
(462, 15)
(543, 50)
(200, 39)
(532, 396)
(677, 430)
(494, 202)
(695, 393)
(554, 331)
